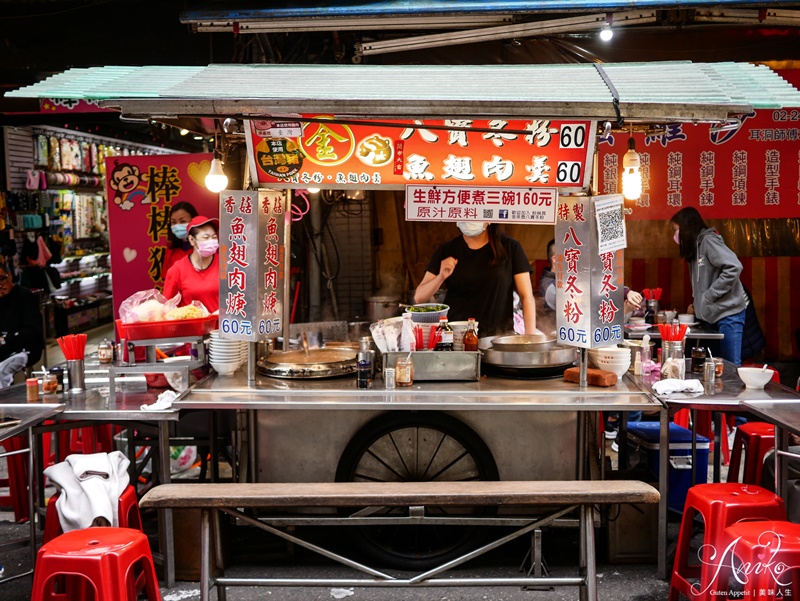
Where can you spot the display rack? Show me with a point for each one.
(152, 365)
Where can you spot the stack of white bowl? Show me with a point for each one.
(226, 355)
(611, 358)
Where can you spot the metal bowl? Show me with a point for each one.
(524, 344)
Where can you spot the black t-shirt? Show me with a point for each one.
(475, 289)
(21, 321)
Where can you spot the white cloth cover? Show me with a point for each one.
(90, 487)
(670, 385)
(10, 366)
(163, 402)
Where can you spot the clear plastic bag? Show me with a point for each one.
(146, 306)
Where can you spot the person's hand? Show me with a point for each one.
(635, 299)
(447, 267)
(690, 309)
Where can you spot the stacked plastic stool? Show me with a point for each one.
(720, 506)
(756, 439)
(768, 556)
(104, 558)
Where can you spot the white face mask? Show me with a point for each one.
(471, 228)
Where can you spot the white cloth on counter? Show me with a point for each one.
(90, 487)
(163, 402)
(670, 385)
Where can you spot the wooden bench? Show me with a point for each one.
(565, 495)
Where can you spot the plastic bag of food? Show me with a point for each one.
(195, 310)
(146, 306)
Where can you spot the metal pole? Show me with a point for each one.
(584, 366)
(287, 266)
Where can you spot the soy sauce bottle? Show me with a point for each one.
(471, 336)
(444, 336)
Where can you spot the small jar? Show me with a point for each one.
(389, 378)
(32, 389)
(709, 370)
(50, 384)
(59, 374)
(719, 366)
(698, 359)
(404, 369)
(105, 351)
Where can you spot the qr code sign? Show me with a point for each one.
(611, 226)
(488, 213)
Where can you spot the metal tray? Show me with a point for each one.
(440, 365)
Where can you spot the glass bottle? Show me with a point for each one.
(364, 364)
(404, 371)
(444, 336)
(698, 358)
(471, 336)
(105, 351)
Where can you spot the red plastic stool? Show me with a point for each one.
(769, 558)
(103, 558)
(756, 439)
(720, 505)
(18, 480)
(128, 514)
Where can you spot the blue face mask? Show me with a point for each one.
(179, 229)
(471, 228)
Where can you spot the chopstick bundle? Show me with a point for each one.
(671, 333)
(73, 346)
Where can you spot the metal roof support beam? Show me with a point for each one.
(593, 22)
(767, 17)
(381, 23)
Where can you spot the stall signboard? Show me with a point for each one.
(141, 193)
(748, 168)
(252, 253)
(488, 203)
(476, 152)
(589, 283)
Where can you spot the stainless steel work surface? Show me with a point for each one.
(693, 334)
(17, 414)
(487, 393)
(724, 394)
(783, 413)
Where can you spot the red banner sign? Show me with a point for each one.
(748, 168)
(533, 152)
(141, 191)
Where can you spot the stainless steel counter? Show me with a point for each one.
(491, 393)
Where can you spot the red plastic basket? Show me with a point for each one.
(180, 328)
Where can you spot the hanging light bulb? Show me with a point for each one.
(216, 180)
(606, 33)
(631, 175)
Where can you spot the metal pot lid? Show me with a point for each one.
(554, 356)
(526, 343)
(319, 363)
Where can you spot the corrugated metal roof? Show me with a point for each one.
(388, 8)
(651, 92)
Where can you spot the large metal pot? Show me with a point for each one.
(382, 307)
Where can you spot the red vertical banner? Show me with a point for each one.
(141, 192)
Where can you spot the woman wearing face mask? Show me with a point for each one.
(481, 270)
(179, 217)
(718, 295)
(196, 276)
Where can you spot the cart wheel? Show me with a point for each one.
(402, 446)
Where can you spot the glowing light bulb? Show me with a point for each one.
(631, 175)
(216, 180)
(606, 33)
(313, 190)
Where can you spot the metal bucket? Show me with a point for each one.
(382, 307)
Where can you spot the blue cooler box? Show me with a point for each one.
(643, 445)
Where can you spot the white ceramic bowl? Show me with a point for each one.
(686, 317)
(225, 369)
(670, 315)
(634, 321)
(753, 377)
(617, 368)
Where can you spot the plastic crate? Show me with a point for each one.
(643, 445)
(179, 328)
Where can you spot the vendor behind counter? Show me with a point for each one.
(196, 276)
(21, 326)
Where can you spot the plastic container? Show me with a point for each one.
(179, 328)
(643, 445)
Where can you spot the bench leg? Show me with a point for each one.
(205, 554)
(589, 591)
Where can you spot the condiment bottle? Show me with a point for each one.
(698, 358)
(105, 351)
(471, 336)
(444, 336)
(32, 389)
(404, 371)
(709, 370)
(364, 364)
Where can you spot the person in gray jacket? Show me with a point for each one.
(718, 295)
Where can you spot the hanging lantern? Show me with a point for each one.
(631, 175)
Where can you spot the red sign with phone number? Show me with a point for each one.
(749, 168)
(532, 152)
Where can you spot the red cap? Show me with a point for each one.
(201, 220)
